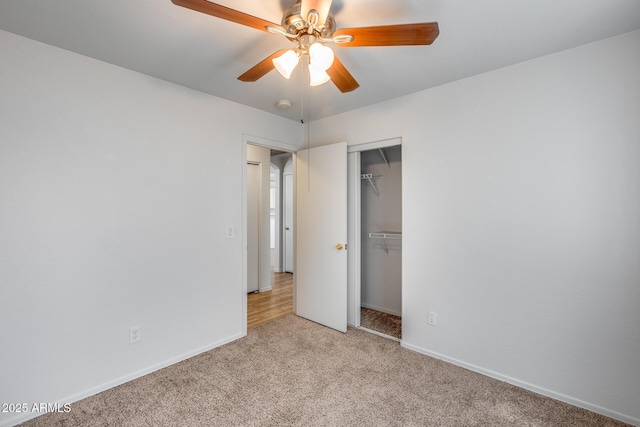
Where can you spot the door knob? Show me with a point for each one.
(339, 246)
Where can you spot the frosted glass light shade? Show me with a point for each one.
(321, 56)
(286, 63)
(317, 77)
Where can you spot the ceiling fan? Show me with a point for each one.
(310, 25)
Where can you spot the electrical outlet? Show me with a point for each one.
(134, 334)
(431, 318)
(230, 232)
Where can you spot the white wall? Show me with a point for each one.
(521, 216)
(115, 193)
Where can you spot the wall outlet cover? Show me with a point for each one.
(134, 334)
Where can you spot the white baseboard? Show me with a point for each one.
(380, 334)
(265, 289)
(118, 381)
(531, 387)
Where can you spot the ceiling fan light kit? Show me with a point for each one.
(310, 24)
(320, 56)
(317, 77)
(286, 63)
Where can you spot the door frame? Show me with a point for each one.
(288, 249)
(354, 224)
(266, 143)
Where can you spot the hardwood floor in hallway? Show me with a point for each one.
(263, 307)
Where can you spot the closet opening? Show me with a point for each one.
(377, 213)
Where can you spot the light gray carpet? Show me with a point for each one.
(292, 372)
(386, 323)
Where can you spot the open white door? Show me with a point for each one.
(321, 235)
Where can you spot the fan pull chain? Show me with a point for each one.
(308, 127)
(304, 112)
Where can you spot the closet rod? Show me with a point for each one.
(383, 236)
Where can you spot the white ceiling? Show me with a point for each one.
(158, 38)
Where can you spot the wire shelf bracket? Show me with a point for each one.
(369, 177)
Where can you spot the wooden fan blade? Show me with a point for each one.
(226, 13)
(391, 35)
(261, 68)
(341, 77)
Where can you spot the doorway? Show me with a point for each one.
(272, 297)
(381, 240)
(258, 218)
(282, 202)
(375, 237)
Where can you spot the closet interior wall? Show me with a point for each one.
(381, 211)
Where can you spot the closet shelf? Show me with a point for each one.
(385, 235)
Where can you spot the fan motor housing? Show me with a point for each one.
(294, 23)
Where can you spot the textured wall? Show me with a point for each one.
(521, 218)
(115, 193)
